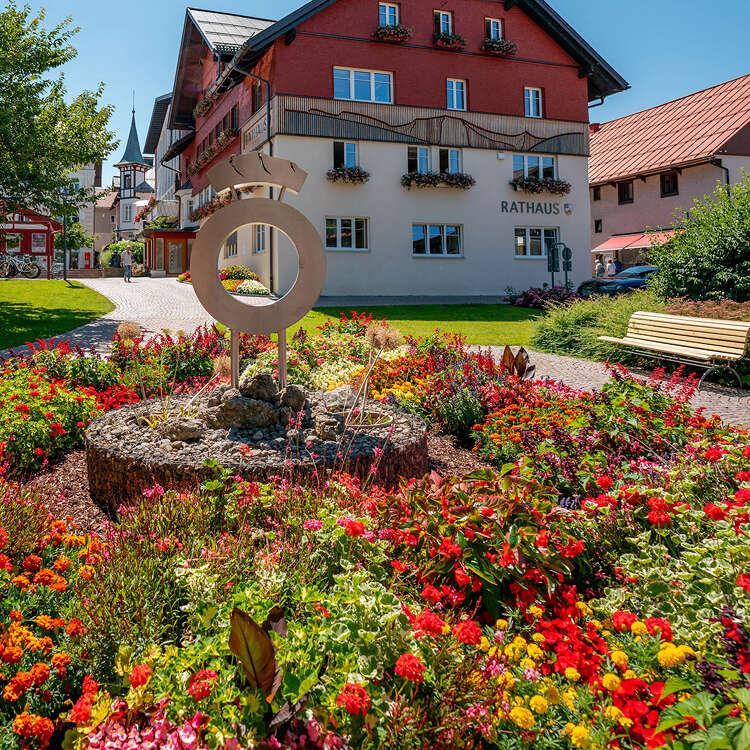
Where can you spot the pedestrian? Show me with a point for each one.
(618, 265)
(611, 268)
(127, 264)
(599, 267)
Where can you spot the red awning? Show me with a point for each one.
(641, 240)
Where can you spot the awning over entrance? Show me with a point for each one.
(635, 241)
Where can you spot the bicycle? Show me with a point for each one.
(12, 265)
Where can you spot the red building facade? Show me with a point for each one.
(33, 235)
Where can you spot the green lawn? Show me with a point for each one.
(40, 309)
(480, 324)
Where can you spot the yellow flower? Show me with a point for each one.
(571, 673)
(446, 629)
(484, 644)
(639, 628)
(519, 642)
(613, 713)
(611, 681)
(579, 736)
(527, 664)
(670, 656)
(569, 698)
(569, 727)
(501, 624)
(536, 611)
(596, 624)
(522, 717)
(630, 674)
(534, 651)
(538, 704)
(553, 695)
(538, 638)
(685, 650)
(583, 608)
(620, 658)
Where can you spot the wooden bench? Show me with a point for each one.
(699, 342)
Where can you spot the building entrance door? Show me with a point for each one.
(176, 256)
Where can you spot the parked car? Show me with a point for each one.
(625, 281)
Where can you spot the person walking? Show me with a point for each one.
(599, 267)
(611, 268)
(127, 264)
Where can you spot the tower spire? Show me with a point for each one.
(133, 154)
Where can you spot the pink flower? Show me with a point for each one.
(312, 524)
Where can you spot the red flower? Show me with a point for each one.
(431, 594)
(448, 548)
(428, 622)
(90, 686)
(140, 675)
(715, 512)
(660, 625)
(355, 528)
(201, 682)
(743, 581)
(742, 476)
(462, 578)
(605, 483)
(743, 496)
(75, 627)
(32, 563)
(354, 698)
(468, 632)
(714, 454)
(410, 667)
(81, 712)
(623, 620)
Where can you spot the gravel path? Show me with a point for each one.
(165, 303)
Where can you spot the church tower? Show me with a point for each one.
(133, 168)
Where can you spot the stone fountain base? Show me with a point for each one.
(255, 432)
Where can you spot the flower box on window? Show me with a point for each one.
(499, 47)
(538, 185)
(222, 142)
(394, 34)
(447, 40)
(221, 200)
(437, 179)
(204, 106)
(349, 175)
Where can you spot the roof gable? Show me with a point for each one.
(692, 129)
(603, 80)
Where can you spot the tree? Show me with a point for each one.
(75, 237)
(709, 256)
(42, 137)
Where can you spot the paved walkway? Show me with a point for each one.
(165, 303)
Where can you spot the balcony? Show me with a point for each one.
(342, 120)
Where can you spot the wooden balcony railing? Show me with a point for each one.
(331, 118)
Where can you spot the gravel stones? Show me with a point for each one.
(253, 438)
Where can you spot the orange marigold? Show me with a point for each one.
(28, 725)
(39, 673)
(62, 564)
(60, 662)
(11, 654)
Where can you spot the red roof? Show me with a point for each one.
(640, 240)
(106, 198)
(687, 130)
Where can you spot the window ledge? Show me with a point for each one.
(438, 257)
(530, 257)
(347, 250)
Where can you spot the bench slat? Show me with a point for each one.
(726, 325)
(698, 354)
(692, 342)
(730, 335)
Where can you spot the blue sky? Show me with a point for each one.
(664, 48)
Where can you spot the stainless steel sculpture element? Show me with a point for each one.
(256, 169)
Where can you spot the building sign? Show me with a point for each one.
(38, 243)
(532, 207)
(255, 132)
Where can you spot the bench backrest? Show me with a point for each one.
(719, 337)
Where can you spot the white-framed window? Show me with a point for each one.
(532, 100)
(38, 242)
(419, 159)
(450, 160)
(526, 165)
(127, 213)
(259, 239)
(443, 22)
(532, 242)
(363, 85)
(431, 240)
(344, 154)
(388, 14)
(230, 246)
(346, 233)
(493, 28)
(456, 89)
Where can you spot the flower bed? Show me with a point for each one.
(436, 179)
(537, 185)
(499, 47)
(396, 34)
(348, 175)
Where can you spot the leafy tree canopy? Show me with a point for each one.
(709, 256)
(43, 138)
(76, 238)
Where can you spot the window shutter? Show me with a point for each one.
(436, 16)
(338, 154)
(487, 28)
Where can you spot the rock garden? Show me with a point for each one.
(412, 545)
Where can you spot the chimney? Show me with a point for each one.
(594, 127)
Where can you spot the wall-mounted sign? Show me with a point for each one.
(533, 207)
